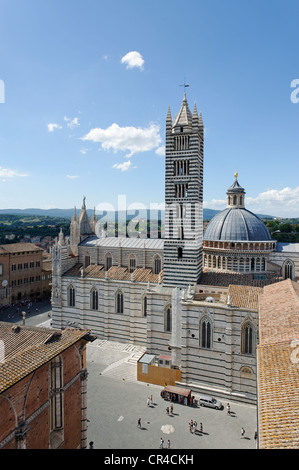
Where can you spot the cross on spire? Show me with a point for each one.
(185, 85)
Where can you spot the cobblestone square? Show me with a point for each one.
(116, 401)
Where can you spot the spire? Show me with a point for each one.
(74, 218)
(195, 114)
(85, 228)
(61, 237)
(184, 116)
(93, 221)
(168, 122)
(168, 117)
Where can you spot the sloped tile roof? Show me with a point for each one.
(19, 247)
(279, 312)
(114, 273)
(278, 396)
(28, 348)
(244, 296)
(278, 366)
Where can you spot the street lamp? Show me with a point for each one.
(24, 317)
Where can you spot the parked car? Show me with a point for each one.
(206, 400)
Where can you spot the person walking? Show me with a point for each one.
(161, 443)
(228, 408)
(171, 408)
(242, 433)
(255, 438)
(200, 427)
(168, 444)
(139, 423)
(148, 402)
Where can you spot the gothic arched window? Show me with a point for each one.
(205, 333)
(119, 302)
(94, 299)
(168, 319)
(132, 263)
(247, 338)
(157, 264)
(144, 305)
(56, 401)
(288, 270)
(71, 296)
(108, 261)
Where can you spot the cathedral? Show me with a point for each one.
(191, 295)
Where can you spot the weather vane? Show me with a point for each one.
(185, 85)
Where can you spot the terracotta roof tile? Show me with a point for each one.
(19, 247)
(115, 273)
(27, 348)
(278, 395)
(279, 312)
(278, 366)
(244, 296)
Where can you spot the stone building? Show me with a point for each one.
(43, 401)
(21, 270)
(183, 197)
(156, 293)
(237, 247)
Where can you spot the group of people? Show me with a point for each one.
(149, 400)
(162, 443)
(193, 427)
(171, 409)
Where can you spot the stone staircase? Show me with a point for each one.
(122, 366)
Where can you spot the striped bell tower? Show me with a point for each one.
(183, 197)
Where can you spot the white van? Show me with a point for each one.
(206, 400)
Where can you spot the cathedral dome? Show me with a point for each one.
(236, 224)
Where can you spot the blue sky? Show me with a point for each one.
(87, 85)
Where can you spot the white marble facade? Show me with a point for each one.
(122, 290)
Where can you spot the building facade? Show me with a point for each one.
(183, 197)
(154, 293)
(238, 245)
(43, 385)
(21, 273)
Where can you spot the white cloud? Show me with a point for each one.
(217, 204)
(7, 173)
(72, 177)
(123, 166)
(72, 123)
(161, 151)
(53, 126)
(133, 59)
(132, 139)
(281, 202)
(276, 202)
